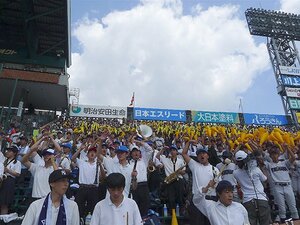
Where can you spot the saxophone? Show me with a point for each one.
(173, 176)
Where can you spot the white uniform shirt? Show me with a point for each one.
(202, 175)
(116, 167)
(251, 183)
(22, 151)
(227, 173)
(141, 170)
(169, 165)
(87, 171)
(106, 212)
(219, 214)
(279, 172)
(40, 175)
(16, 167)
(64, 163)
(33, 213)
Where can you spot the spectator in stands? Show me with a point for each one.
(254, 198)
(12, 169)
(225, 211)
(55, 208)
(39, 171)
(116, 209)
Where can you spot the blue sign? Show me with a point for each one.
(159, 114)
(265, 119)
(215, 117)
(291, 80)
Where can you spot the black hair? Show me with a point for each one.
(115, 180)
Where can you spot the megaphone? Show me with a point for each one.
(144, 131)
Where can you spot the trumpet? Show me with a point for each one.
(173, 176)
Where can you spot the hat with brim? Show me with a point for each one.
(122, 148)
(13, 148)
(66, 145)
(201, 150)
(173, 147)
(48, 151)
(57, 175)
(92, 149)
(240, 155)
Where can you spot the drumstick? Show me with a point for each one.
(226, 163)
(127, 223)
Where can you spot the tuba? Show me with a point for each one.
(144, 131)
(173, 176)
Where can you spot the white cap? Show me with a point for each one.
(240, 155)
(134, 146)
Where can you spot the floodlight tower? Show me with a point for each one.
(282, 30)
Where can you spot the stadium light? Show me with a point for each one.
(274, 24)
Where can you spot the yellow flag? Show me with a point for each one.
(174, 218)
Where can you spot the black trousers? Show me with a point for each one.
(175, 193)
(86, 199)
(141, 197)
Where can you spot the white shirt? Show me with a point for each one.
(227, 173)
(40, 180)
(106, 212)
(169, 165)
(33, 213)
(141, 170)
(116, 167)
(202, 175)
(16, 167)
(251, 183)
(219, 214)
(22, 151)
(279, 172)
(87, 171)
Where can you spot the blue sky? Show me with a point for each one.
(102, 25)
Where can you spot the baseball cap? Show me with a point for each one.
(226, 154)
(48, 151)
(57, 175)
(67, 145)
(240, 155)
(201, 150)
(134, 148)
(92, 149)
(13, 148)
(173, 147)
(122, 148)
(223, 185)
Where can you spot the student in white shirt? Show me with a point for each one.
(116, 208)
(12, 169)
(55, 208)
(224, 211)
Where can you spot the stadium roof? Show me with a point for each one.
(35, 32)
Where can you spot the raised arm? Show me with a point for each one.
(184, 153)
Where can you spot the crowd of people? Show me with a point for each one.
(115, 172)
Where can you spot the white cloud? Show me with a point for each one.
(204, 61)
(290, 6)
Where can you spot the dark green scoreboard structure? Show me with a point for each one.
(35, 53)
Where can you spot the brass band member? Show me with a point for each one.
(172, 164)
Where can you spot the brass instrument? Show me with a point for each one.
(151, 167)
(133, 185)
(144, 131)
(173, 176)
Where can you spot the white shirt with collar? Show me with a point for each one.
(219, 214)
(115, 167)
(169, 165)
(141, 170)
(33, 213)
(202, 174)
(87, 171)
(106, 212)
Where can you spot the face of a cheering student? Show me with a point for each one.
(10, 154)
(91, 155)
(173, 153)
(226, 197)
(203, 158)
(122, 155)
(47, 158)
(116, 194)
(135, 154)
(60, 187)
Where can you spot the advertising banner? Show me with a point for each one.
(292, 92)
(294, 103)
(288, 70)
(159, 114)
(265, 119)
(215, 117)
(291, 81)
(98, 111)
